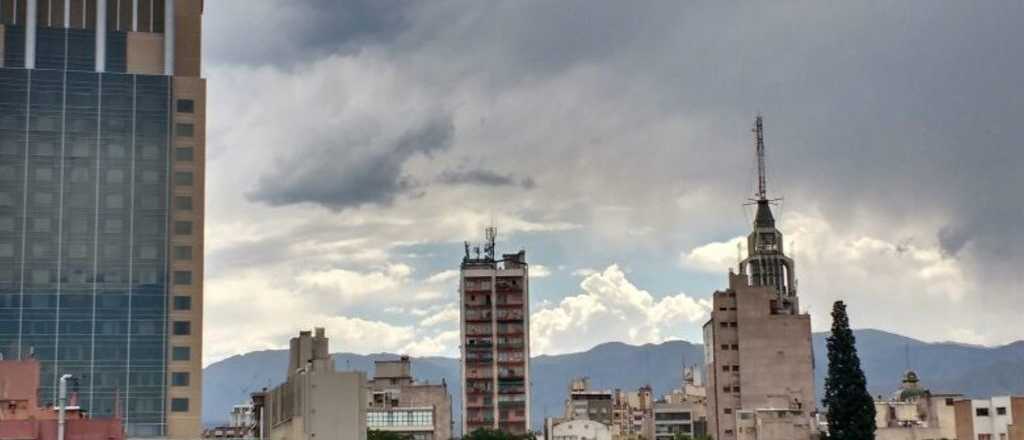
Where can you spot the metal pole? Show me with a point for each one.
(62, 400)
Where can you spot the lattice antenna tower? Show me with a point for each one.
(762, 187)
(491, 234)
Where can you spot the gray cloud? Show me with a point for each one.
(484, 177)
(293, 32)
(351, 173)
(888, 120)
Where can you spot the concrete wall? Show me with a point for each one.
(580, 429)
(337, 406)
(773, 352)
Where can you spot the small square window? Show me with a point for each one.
(734, 347)
(1001, 411)
(725, 346)
(186, 106)
(179, 379)
(184, 130)
(725, 368)
(181, 353)
(179, 405)
(981, 412)
(184, 154)
(183, 228)
(728, 411)
(183, 252)
(182, 328)
(183, 178)
(182, 303)
(735, 368)
(183, 203)
(182, 277)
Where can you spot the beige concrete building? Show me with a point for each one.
(399, 404)
(103, 117)
(495, 333)
(995, 418)
(757, 343)
(315, 402)
(915, 413)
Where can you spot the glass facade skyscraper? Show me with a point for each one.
(101, 173)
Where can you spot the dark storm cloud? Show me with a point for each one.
(907, 111)
(282, 33)
(351, 173)
(464, 176)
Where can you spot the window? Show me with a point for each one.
(181, 353)
(179, 379)
(184, 130)
(186, 106)
(1001, 411)
(183, 203)
(183, 178)
(725, 368)
(182, 328)
(183, 228)
(182, 277)
(984, 436)
(182, 303)
(728, 411)
(981, 412)
(735, 368)
(179, 405)
(723, 324)
(184, 154)
(949, 401)
(725, 346)
(183, 252)
(734, 347)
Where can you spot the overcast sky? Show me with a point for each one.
(353, 146)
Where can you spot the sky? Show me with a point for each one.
(353, 146)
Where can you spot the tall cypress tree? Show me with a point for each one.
(851, 410)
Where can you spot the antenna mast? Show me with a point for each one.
(762, 192)
(492, 234)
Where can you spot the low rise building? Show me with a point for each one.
(672, 419)
(576, 429)
(398, 404)
(242, 424)
(915, 413)
(995, 418)
(23, 418)
(315, 402)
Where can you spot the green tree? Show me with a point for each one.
(372, 434)
(851, 411)
(488, 434)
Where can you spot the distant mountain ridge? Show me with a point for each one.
(943, 367)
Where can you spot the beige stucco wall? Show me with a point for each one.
(145, 53)
(188, 424)
(964, 420)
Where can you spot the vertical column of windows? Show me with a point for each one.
(14, 161)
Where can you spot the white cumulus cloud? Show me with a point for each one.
(611, 308)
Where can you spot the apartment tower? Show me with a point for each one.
(495, 334)
(759, 364)
(102, 123)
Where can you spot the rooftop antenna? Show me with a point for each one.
(491, 234)
(762, 190)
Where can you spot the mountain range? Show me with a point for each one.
(972, 370)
